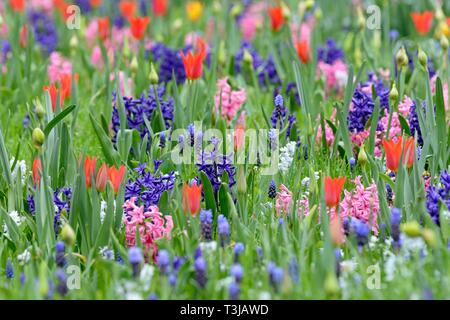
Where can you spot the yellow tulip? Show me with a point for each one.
(194, 10)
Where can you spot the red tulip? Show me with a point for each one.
(303, 51)
(138, 26)
(95, 3)
(192, 196)
(103, 27)
(159, 7)
(127, 8)
(89, 169)
(23, 36)
(102, 178)
(116, 176)
(394, 153)
(193, 63)
(36, 168)
(333, 189)
(276, 17)
(53, 91)
(422, 21)
(17, 5)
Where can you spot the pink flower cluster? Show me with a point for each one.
(283, 200)
(151, 225)
(251, 20)
(57, 67)
(335, 75)
(229, 100)
(361, 203)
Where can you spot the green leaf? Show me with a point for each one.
(208, 192)
(58, 119)
(109, 152)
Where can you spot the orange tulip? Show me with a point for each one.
(159, 7)
(17, 5)
(116, 176)
(36, 168)
(193, 63)
(103, 28)
(53, 91)
(192, 196)
(422, 21)
(333, 189)
(239, 136)
(138, 26)
(102, 178)
(276, 17)
(394, 153)
(89, 169)
(303, 51)
(127, 8)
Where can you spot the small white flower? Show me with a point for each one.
(348, 266)
(265, 295)
(225, 282)
(107, 253)
(24, 257)
(306, 181)
(208, 246)
(16, 217)
(20, 164)
(286, 156)
(146, 276)
(341, 78)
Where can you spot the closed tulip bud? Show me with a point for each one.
(242, 181)
(361, 20)
(222, 56)
(309, 4)
(248, 59)
(444, 43)
(154, 79)
(286, 11)
(362, 156)
(177, 24)
(126, 48)
(423, 59)
(331, 285)
(134, 65)
(393, 94)
(40, 111)
(411, 229)
(440, 14)
(68, 235)
(38, 137)
(216, 7)
(430, 237)
(445, 28)
(102, 178)
(318, 14)
(236, 10)
(73, 42)
(401, 58)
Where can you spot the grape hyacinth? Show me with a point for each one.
(361, 231)
(293, 270)
(279, 113)
(395, 226)
(223, 229)
(60, 258)
(276, 275)
(206, 220)
(163, 261)
(62, 282)
(135, 259)
(237, 272)
(238, 249)
(200, 271)
(234, 291)
(9, 269)
(272, 190)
